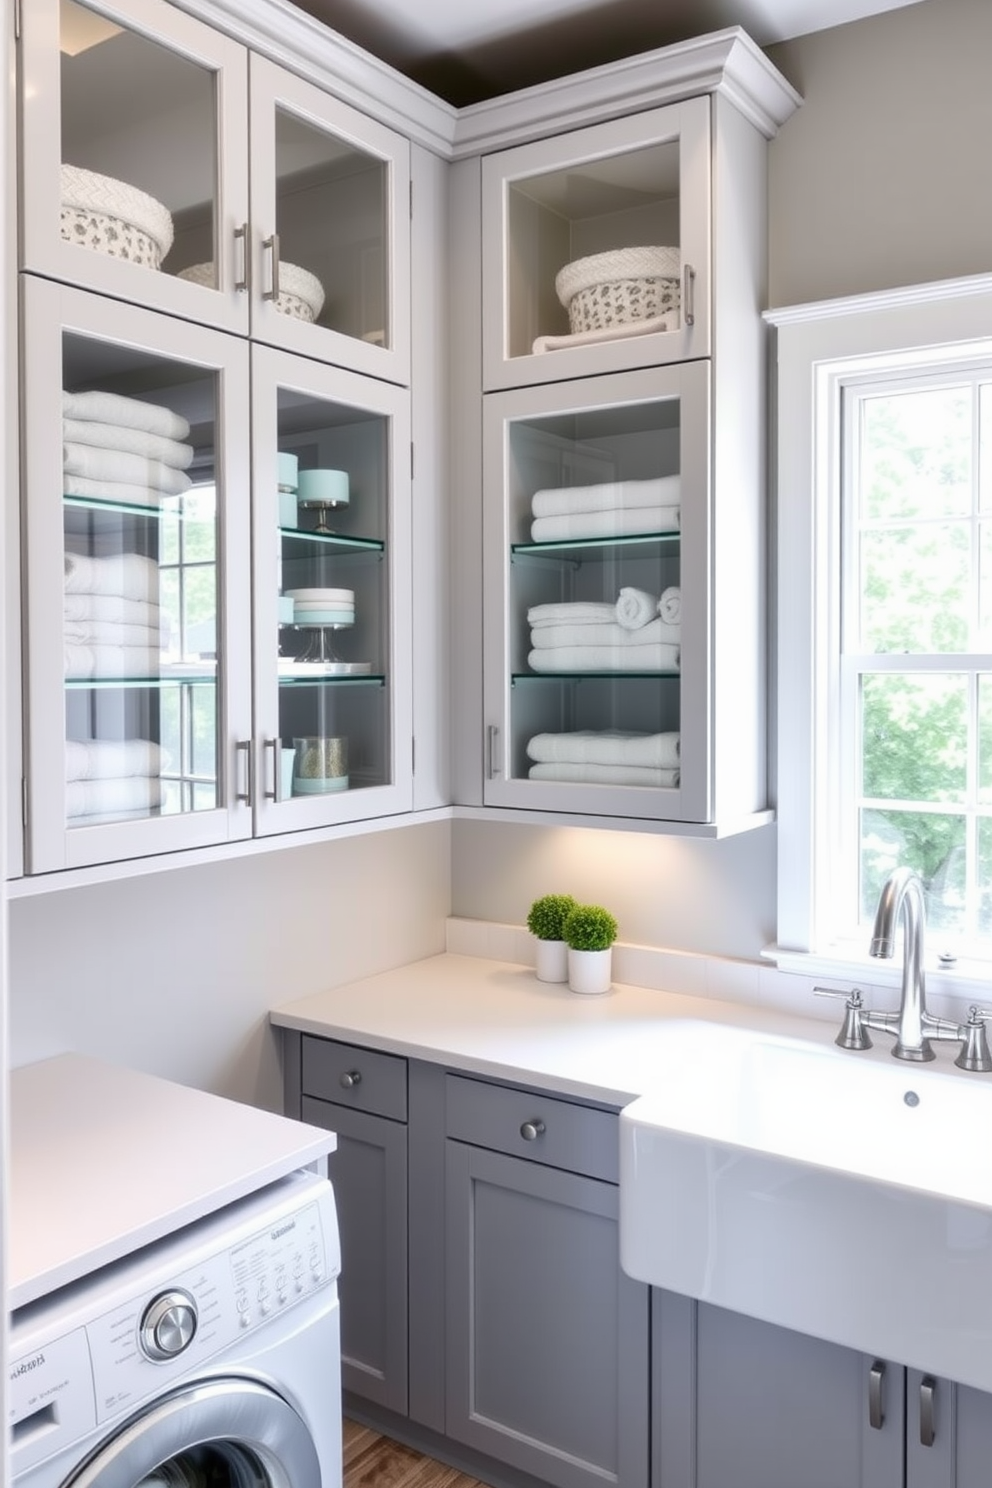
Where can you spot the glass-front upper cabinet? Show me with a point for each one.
(138, 538)
(140, 152)
(332, 616)
(597, 596)
(596, 248)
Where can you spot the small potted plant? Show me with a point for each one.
(589, 932)
(545, 921)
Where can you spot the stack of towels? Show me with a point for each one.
(112, 778)
(612, 509)
(112, 621)
(123, 449)
(606, 757)
(640, 632)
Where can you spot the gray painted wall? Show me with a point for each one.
(881, 179)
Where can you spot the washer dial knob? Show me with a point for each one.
(168, 1325)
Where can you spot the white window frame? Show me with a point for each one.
(821, 348)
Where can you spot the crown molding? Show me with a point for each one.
(885, 299)
(726, 62)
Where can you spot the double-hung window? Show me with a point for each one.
(884, 616)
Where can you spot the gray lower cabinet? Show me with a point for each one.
(546, 1341)
(365, 1105)
(740, 1403)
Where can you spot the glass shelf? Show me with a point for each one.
(372, 545)
(166, 679)
(360, 679)
(600, 547)
(172, 506)
(517, 677)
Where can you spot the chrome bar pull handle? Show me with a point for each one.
(272, 293)
(273, 794)
(243, 283)
(531, 1130)
(876, 1413)
(492, 751)
(688, 294)
(928, 1398)
(247, 795)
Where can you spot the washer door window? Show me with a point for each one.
(219, 1434)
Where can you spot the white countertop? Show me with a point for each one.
(104, 1160)
(495, 1018)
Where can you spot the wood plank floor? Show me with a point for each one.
(373, 1461)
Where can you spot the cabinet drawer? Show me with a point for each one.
(361, 1079)
(538, 1127)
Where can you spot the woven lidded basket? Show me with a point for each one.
(113, 217)
(627, 284)
(301, 293)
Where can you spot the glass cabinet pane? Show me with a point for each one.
(141, 584)
(331, 221)
(139, 145)
(333, 657)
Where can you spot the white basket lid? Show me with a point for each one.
(620, 263)
(90, 192)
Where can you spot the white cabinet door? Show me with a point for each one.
(330, 219)
(597, 541)
(134, 161)
(630, 183)
(332, 613)
(137, 521)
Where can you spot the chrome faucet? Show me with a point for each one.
(902, 898)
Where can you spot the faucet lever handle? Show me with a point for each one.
(975, 1054)
(854, 1033)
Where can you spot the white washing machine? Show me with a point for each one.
(210, 1359)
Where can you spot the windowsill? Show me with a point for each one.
(950, 989)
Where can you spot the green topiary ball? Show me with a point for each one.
(589, 927)
(546, 916)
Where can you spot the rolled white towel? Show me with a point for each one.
(104, 759)
(605, 774)
(614, 523)
(656, 658)
(110, 661)
(92, 608)
(635, 607)
(544, 636)
(111, 797)
(606, 747)
(576, 612)
(122, 575)
(561, 501)
(133, 413)
(128, 441)
(110, 633)
(670, 605)
(95, 464)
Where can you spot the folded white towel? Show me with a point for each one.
(110, 661)
(656, 658)
(605, 774)
(110, 633)
(103, 759)
(133, 413)
(622, 329)
(564, 501)
(127, 492)
(606, 747)
(576, 612)
(635, 607)
(670, 605)
(544, 636)
(129, 441)
(111, 797)
(124, 575)
(84, 608)
(93, 463)
(615, 523)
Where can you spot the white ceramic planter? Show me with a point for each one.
(590, 971)
(551, 960)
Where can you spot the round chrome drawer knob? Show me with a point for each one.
(168, 1325)
(351, 1078)
(531, 1130)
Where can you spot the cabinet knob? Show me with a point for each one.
(351, 1078)
(531, 1130)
